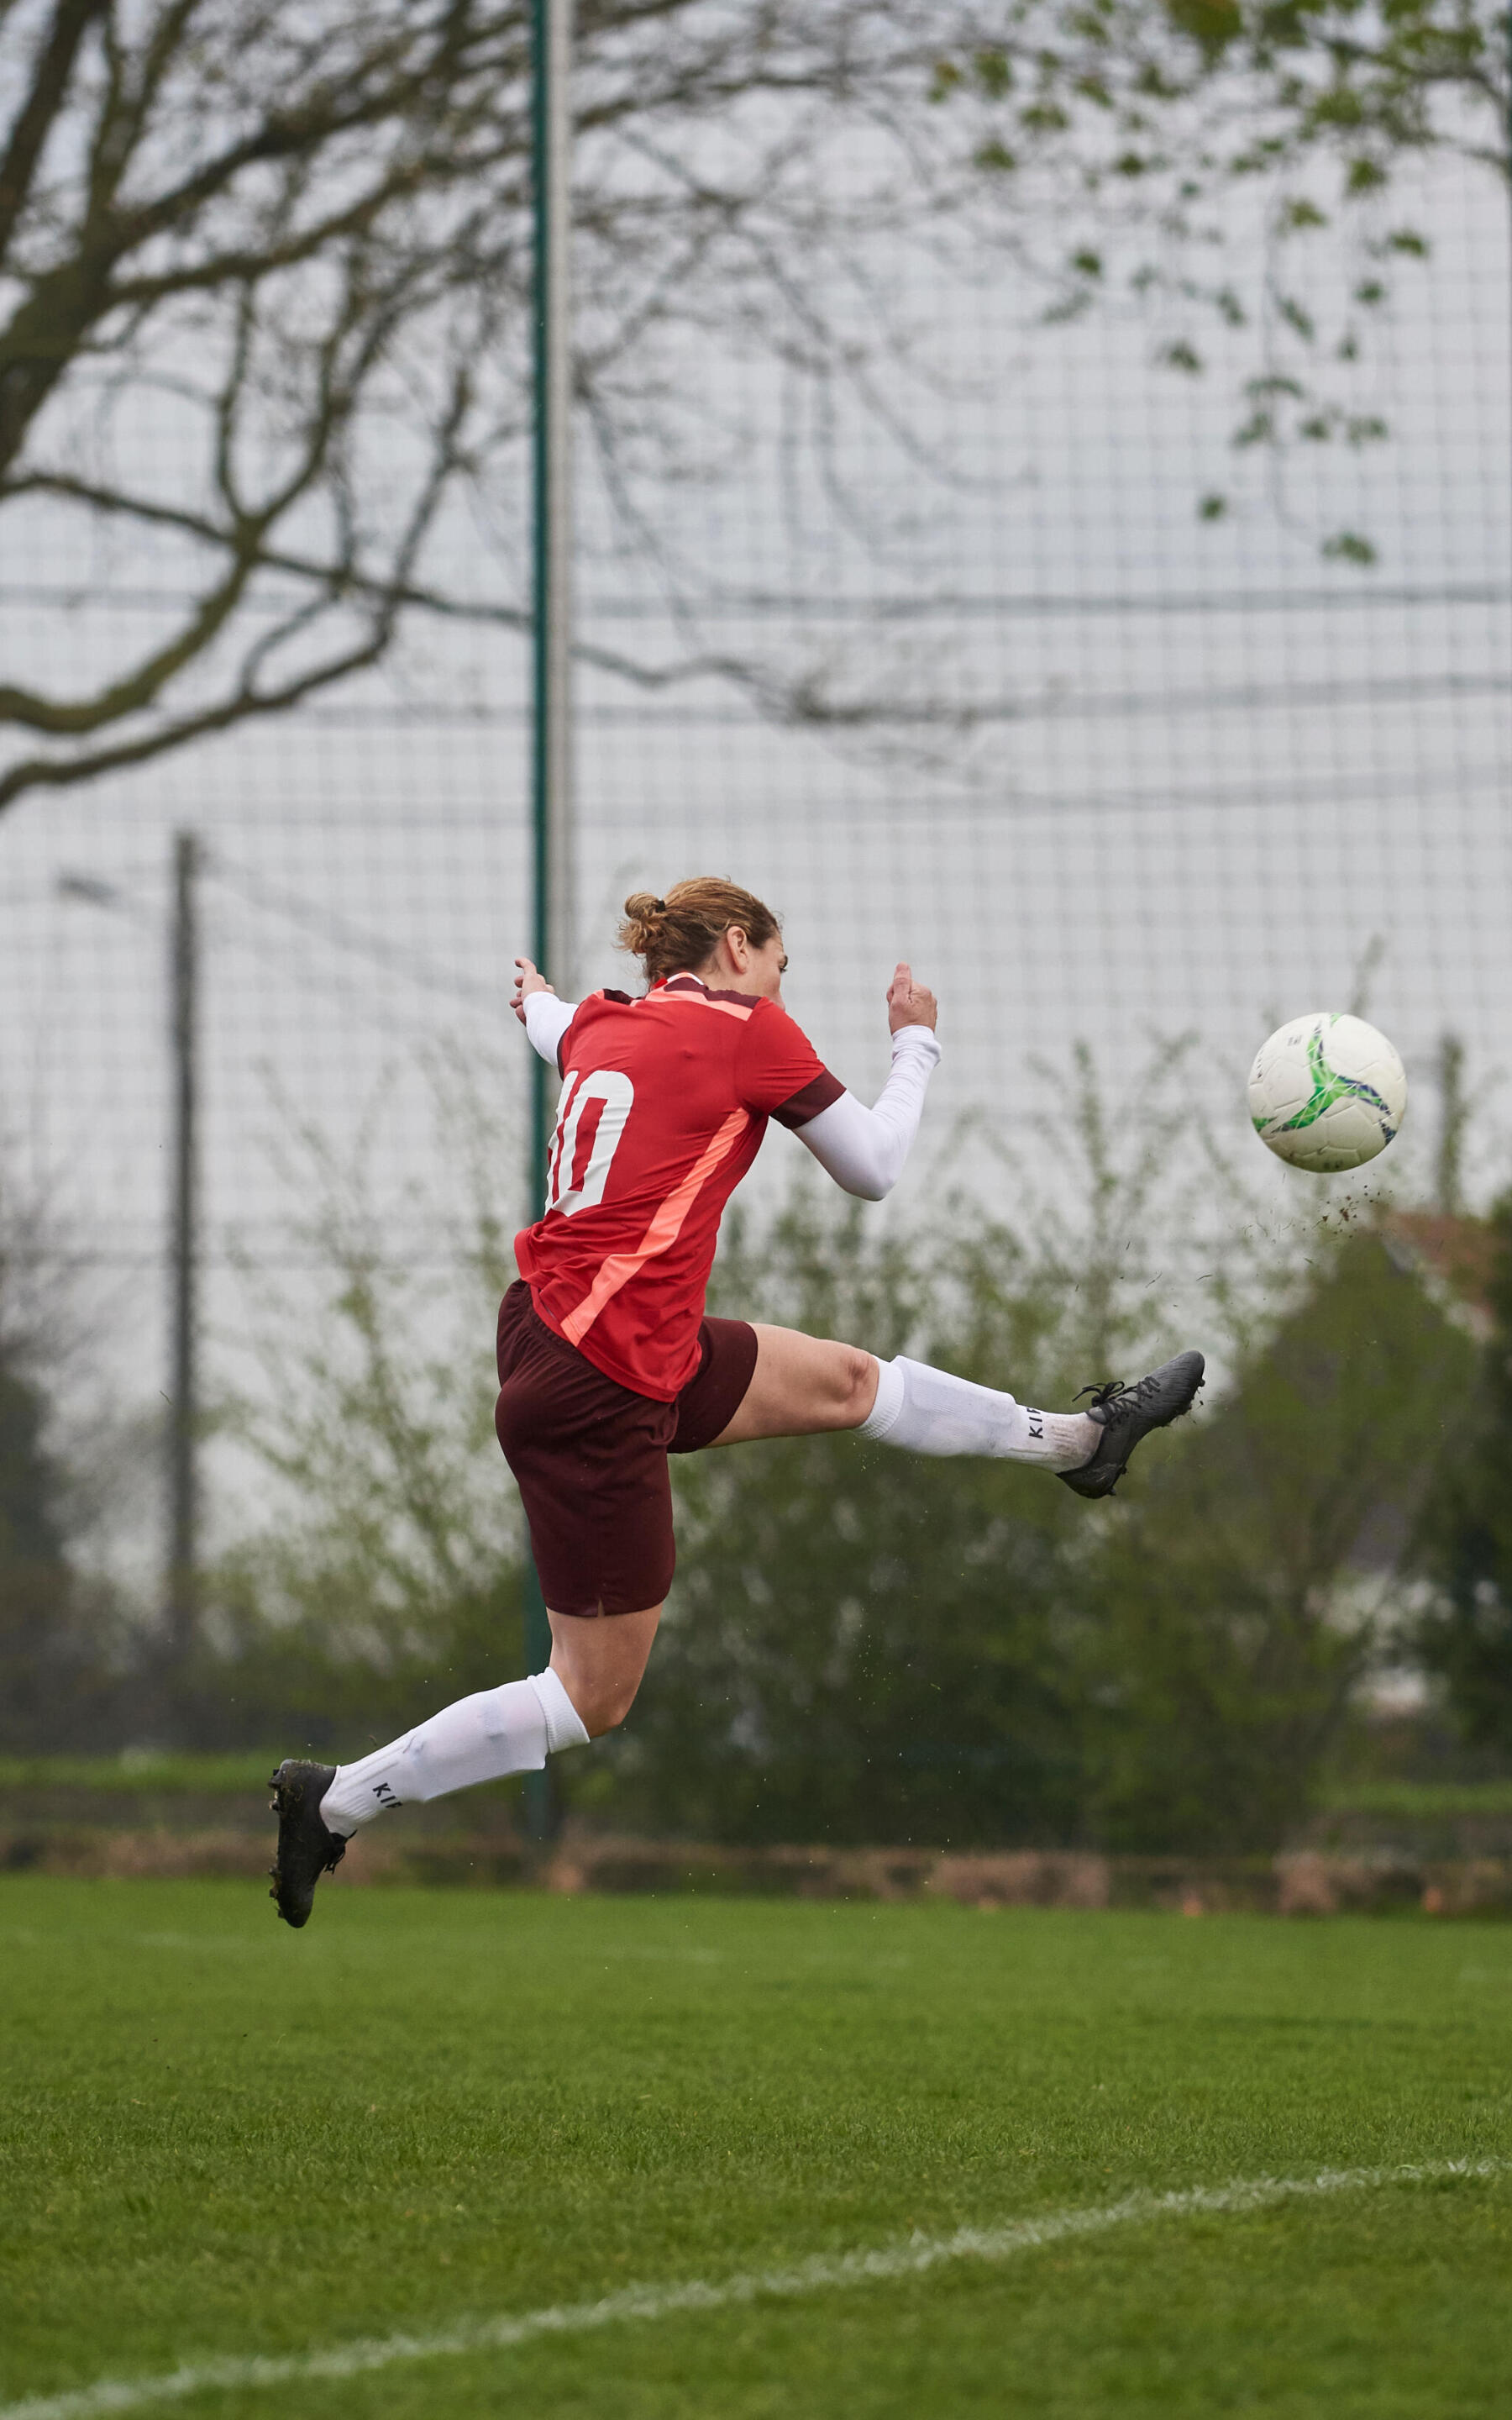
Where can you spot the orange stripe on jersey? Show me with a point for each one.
(696, 1000)
(662, 1234)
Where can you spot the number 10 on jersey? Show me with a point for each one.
(614, 1096)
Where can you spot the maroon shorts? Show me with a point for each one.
(591, 1457)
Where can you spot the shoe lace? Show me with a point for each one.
(1119, 1400)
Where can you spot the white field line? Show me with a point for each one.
(915, 2259)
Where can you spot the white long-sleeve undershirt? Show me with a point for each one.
(547, 1020)
(862, 1148)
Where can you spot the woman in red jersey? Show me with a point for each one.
(607, 1363)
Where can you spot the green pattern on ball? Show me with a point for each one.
(1330, 1086)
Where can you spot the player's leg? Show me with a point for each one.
(802, 1386)
(601, 1664)
(479, 1738)
(591, 1461)
(588, 1688)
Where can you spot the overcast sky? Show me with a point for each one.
(1202, 778)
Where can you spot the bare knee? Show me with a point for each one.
(599, 1661)
(855, 1385)
(603, 1706)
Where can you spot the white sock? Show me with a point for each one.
(512, 1729)
(927, 1411)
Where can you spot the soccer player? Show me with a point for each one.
(607, 1363)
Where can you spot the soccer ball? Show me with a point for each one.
(1327, 1092)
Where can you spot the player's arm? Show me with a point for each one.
(545, 1017)
(864, 1150)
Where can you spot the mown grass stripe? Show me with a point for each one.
(824, 2273)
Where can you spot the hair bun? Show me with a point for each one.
(680, 932)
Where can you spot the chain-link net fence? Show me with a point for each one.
(973, 638)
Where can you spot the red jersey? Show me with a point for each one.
(664, 1103)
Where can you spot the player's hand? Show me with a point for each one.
(528, 979)
(909, 1002)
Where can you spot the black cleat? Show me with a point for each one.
(305, 1849)
(1126, 1414)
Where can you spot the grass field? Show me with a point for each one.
(226, 2141)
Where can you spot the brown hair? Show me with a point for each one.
(678, 933)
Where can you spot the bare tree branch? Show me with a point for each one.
(265, 279)
(34, 120)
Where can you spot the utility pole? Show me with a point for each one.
(181, 1590)
(552, 634)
